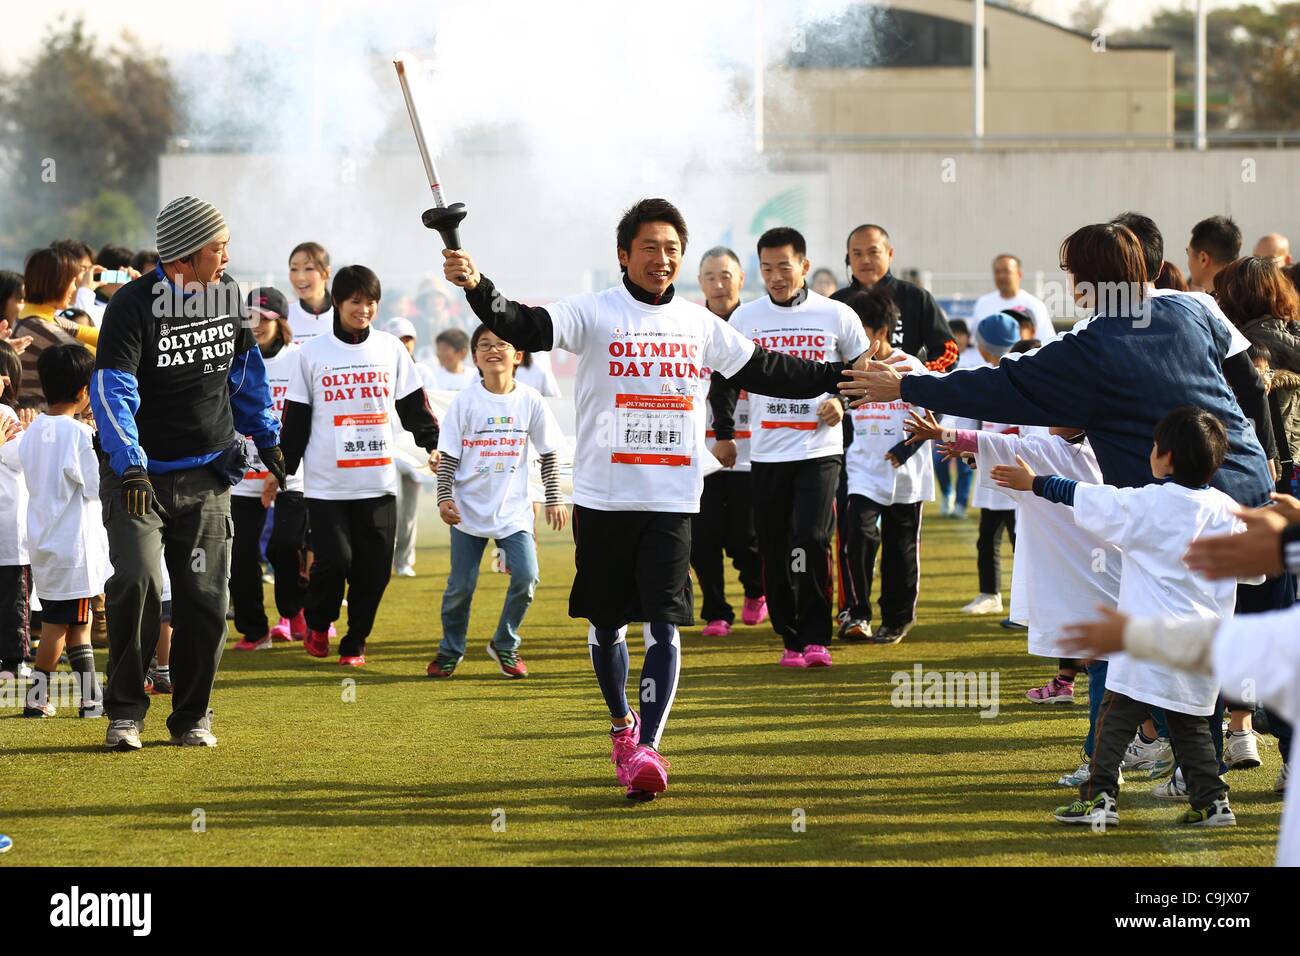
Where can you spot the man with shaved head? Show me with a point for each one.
(1274, 246)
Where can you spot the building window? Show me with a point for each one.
(867, 36)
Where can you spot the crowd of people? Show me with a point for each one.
(160, 425)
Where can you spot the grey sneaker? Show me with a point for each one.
(123, 735)
(194, 737)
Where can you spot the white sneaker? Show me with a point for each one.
(1240, 751)
(1156, 757)
(1217, 814)
(1082, 775)
(194, 737)
(984, 604)
(945, 505)
(122, 735)
(406, 571)
(1172, 789)
(1279, 785)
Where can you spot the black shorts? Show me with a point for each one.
(631, 566)
(74, 611)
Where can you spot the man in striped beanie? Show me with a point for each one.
(178, 379)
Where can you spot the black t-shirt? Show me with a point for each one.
(922, 327)
(180, 350)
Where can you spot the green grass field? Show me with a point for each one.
(481, 770)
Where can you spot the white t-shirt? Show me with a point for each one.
(539, 375)
(492, 436)
(741, 424)
(65, 526)
(352, 391)
(445, 381)
(1260, 651)
(640, 390)
(279, 369)
(88, 302)
(1153, 527)
(988, 495)
(992, 303)
(305, 325)
(819, 329)
(13, 499)
(878, 427)
(1061, 572)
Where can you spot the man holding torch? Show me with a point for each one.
(645, 360)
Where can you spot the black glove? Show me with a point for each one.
(137, 492)
(273, 459)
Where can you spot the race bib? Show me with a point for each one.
(653, 429)
(361, 441)
(785, 413)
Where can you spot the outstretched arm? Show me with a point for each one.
(785, 376)
(525, 327)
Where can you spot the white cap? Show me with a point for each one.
(402, 328)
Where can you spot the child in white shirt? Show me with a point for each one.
(15, 567)
(483, 493)
(1153, 526)
(994, 336)
(888, 481)
(1062, 570)
(65, 527)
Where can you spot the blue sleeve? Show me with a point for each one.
(1055, 489)
(115, 399)
(250, 400)
(1054, 385)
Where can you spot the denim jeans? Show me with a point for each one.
(943, 474)
(520, 554)
(1096, 690)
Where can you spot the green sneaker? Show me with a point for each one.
(1217, 814)
(1099, 811)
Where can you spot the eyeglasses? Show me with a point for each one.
(497, 347)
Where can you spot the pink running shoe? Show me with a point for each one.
(817, 655)
(1055, 691)
(282, 632)
(298, 626)
(793, 659)
(317, 643)
(716, 629)
(644, 772)
(754, 611)
(356, 660)
(261, 644)
(625, 741)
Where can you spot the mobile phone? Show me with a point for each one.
(114, 277)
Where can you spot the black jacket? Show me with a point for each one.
(922, 327)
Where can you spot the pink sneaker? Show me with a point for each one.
(282, 632)
(355, 660)
(261, 644)
(793, 659)
(716, 629)
(1055, 691)
(754, 611)
(317, 643)
(298, 626)
(644, 772)
(625, 741)
(817, 656)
